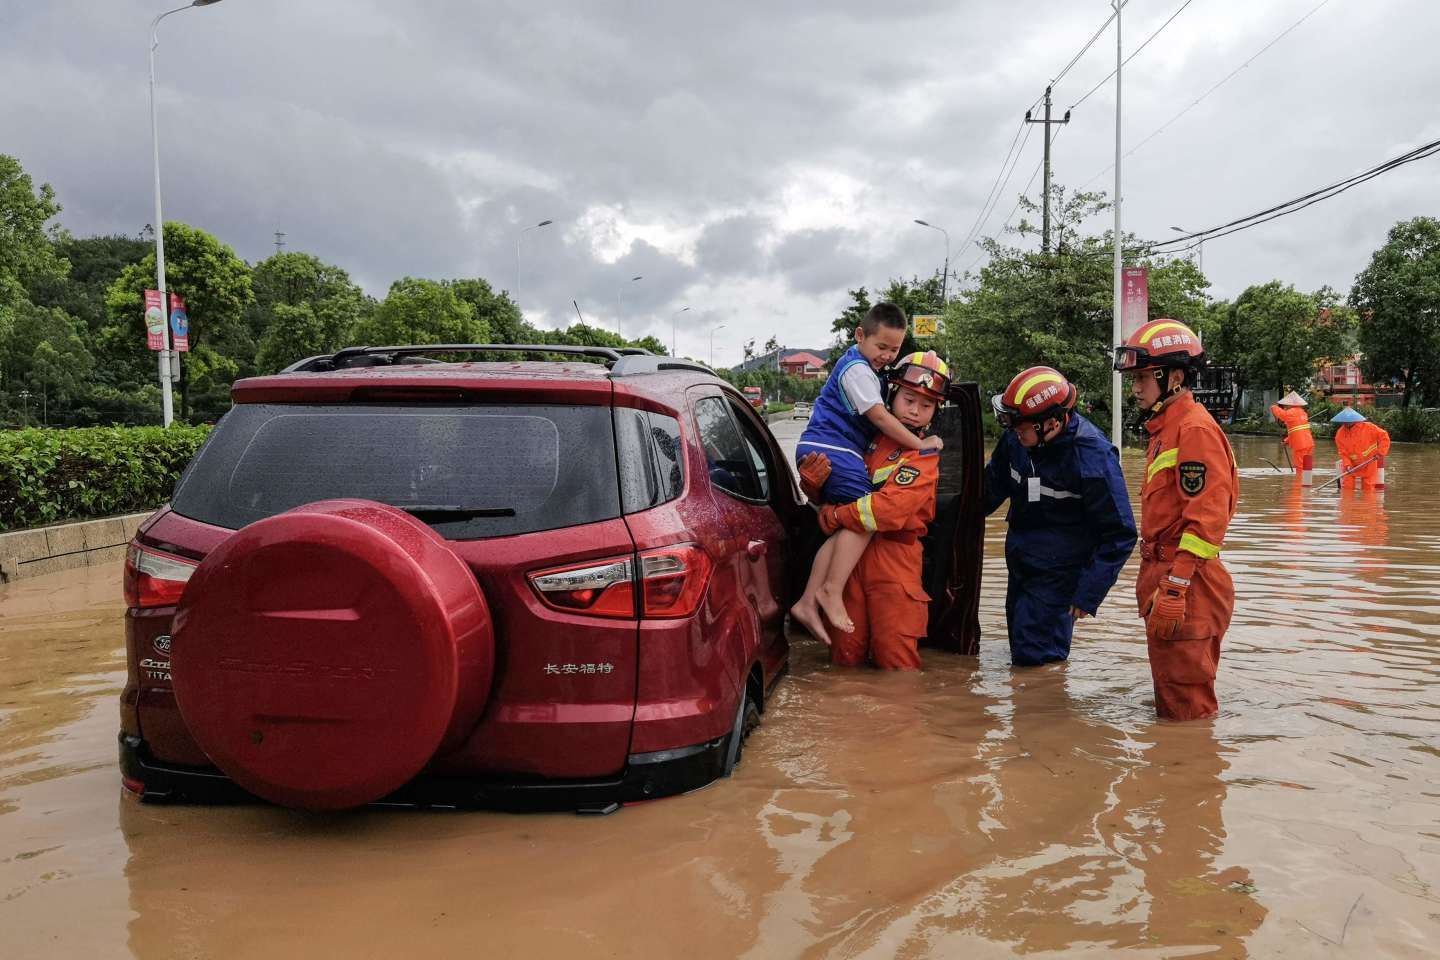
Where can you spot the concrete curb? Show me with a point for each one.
(31, 553)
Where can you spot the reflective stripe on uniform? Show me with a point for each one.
(867, 513)
(1298, 426)
(883, 474)
(1203, 549)
(1164, 459)
(1368, 450)
(1044, 490)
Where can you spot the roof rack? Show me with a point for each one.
(621, 361)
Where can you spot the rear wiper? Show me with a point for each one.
(453, 511)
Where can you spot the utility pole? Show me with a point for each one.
(1116, 329)
(279, 242)
(1045, 222)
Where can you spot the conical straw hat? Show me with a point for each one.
(1293, 399)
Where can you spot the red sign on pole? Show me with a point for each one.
(179, 324)
(1134, 299)
(154, 321)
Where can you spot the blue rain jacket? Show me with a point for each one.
(1071, 530)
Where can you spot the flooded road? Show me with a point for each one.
(975, 810)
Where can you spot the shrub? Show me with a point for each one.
(49, 476)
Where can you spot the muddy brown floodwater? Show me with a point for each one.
(975, 810)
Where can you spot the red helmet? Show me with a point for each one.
(1160, 344)
(1035, 394)
(925, 373)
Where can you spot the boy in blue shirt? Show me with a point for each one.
(848, 413)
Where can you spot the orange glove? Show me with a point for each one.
(1167, 604)
(814, 471)
(828, 523)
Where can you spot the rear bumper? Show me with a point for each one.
(646, 777)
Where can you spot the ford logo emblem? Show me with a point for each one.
(162, 645)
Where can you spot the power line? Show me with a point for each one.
(1253, 57)
(1055, 81)
(1190, 240)
(970, 235)
(1133, 55)
(989, 209)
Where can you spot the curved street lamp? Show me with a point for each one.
(518, 237)
(167, 404)
(672, 330)
(945, 276)
(1199, 250)
(712, 344)
(620, 303)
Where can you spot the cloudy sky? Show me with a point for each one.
(750, 160)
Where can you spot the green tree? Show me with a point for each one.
(912, 296)
(46, 355)
(1030, 308)
(1398, 297)
(27, 255)
(1276, 336)
(303, 306)
(215, 284)
(496, 310)
(95, 262)
(422, 311)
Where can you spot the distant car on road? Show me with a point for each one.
(557, 584)
(801, 411)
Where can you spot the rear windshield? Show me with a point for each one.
(467, 471)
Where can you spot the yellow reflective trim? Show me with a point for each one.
(1037, 379)
(867, 515)
(1161, 327)
(1369, 450)
(1301, 426)
(881, 475)
(1162, 460)
(1201, 548)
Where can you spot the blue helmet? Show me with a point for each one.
(1348, 415)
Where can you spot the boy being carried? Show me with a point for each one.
(846, 417)
(884, 596)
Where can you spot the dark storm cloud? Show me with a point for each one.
(682, 141)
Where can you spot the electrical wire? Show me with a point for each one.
(1253, 57)
(987, 211)
(1133, 55)
(1088, 44)
(1191, 240)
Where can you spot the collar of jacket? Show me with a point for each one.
(1174, 408)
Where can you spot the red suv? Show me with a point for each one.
(555, 584)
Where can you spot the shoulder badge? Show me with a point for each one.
(1192, 477)
(906, 476)
(894, 455)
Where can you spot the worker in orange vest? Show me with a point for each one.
(1289, 412)
(1186, 503)
(1363, 447)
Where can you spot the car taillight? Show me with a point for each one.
(674, 580)
(672, 584)
(154, 579)
(604, 589)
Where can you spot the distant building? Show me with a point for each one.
(807, 364)
(1343, 383)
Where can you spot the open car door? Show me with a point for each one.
(955, 541)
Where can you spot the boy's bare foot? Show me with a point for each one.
(807, 614)
(833, 605)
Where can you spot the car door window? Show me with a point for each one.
(732, 466)
(757, 448)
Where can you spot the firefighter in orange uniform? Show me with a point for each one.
(884, 596)
(1289, 412)
(1190, 488)
(1363, 447)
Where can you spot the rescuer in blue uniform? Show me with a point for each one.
(1071, 526)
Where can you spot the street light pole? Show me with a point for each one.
(167, 404)
(712, 344)
(1115, 324)
(1199, 251)
(672, 330)
(944, 277)
(518, 238)
(620, 303)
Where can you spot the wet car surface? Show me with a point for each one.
(973, 810)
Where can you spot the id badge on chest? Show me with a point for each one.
(1032, 489)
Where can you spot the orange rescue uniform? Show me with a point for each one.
(1297, 433)
(1358, 442)
(883, 596)
(1186, 503)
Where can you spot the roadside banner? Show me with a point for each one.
(179, 324)
(1135, 299)
(926, 325)
(154, 321)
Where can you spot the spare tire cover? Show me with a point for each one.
(322, 656)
